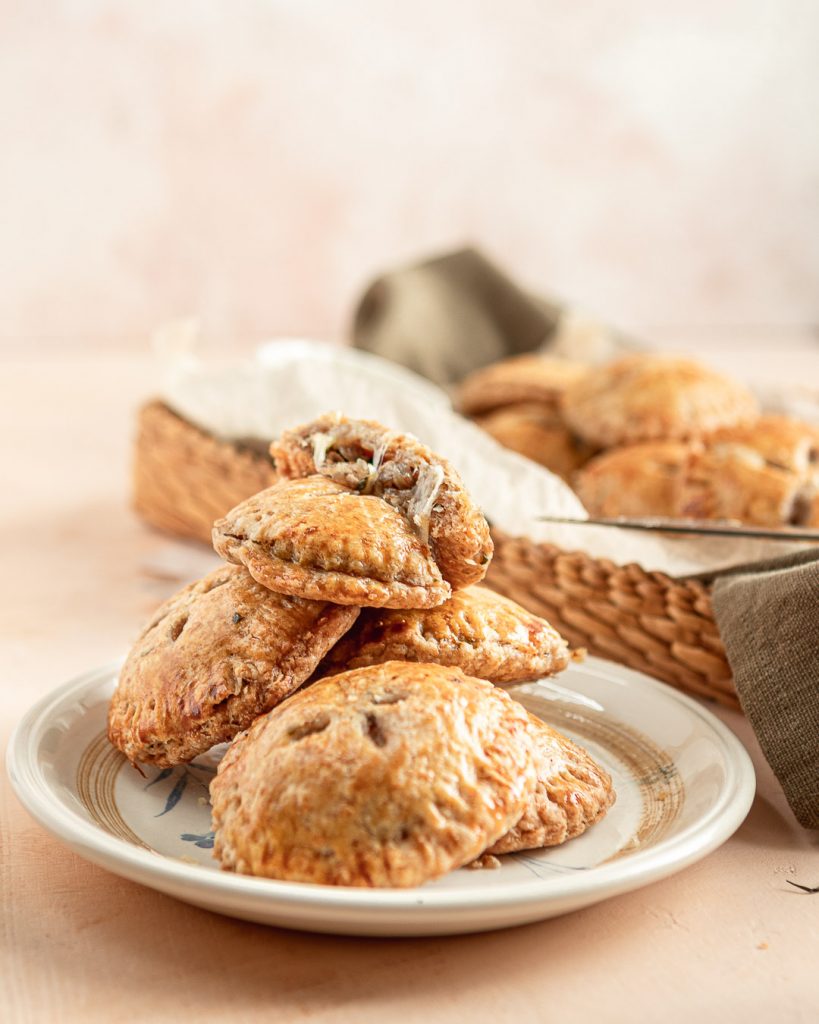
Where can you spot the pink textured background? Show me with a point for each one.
(254, 162)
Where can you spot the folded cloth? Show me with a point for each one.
(447, 316)
(768, 619)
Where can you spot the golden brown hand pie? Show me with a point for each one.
(729, 481)
(214, 657)
(765, 473)
(784, 442)
(538, 432)
(572, 793)
(384, 776)
(650, 397)
(369, 460)
(527, 378)
(636, 480)
(317, 539)
(476, 630)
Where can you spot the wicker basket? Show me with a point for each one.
(184, 479)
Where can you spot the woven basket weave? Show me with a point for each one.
(184, 479)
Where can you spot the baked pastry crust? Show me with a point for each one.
(733, 482)
(385, 776)
(369, 459)
(572, 793)
(317, 539)
(636, 480)
(213, 658)
(476, 630)
(538, 432)
(649, 397)
(765, 473)
(526, 378)
(784, 442)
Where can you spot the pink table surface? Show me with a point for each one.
(726, 939)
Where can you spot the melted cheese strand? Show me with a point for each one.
(427, 487)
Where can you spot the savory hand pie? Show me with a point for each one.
(765, 473)
(636, 480)
(370, 460)
(538, 432)
(650, 397)
(384, 776)
(527, 378)
(784, 442)
(214, 657)
(572, 793)
(730, 481)
(476, 630)
(317, 539)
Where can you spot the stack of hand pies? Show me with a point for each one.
(652, 435)
(348, 655)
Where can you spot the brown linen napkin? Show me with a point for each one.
(447, 316)
(768, 619)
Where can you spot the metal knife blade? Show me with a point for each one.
(713, 528)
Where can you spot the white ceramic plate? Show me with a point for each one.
(684, 784)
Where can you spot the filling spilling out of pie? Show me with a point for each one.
(369, 459)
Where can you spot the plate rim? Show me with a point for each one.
(667, 857)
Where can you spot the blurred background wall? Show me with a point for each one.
(256, 161)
